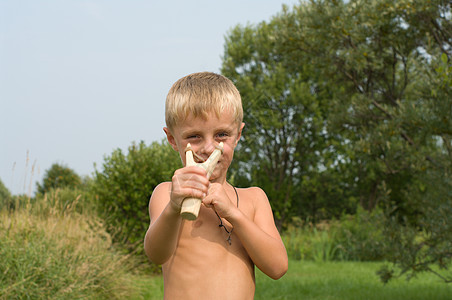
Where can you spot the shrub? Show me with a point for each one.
(124, 186)
(14, 201)
(356, 237)
(8, 201)
(360, 237)
(306, 241)
(4, 192)
(59, 176)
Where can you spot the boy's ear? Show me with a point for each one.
(239, 135)
(170, 138)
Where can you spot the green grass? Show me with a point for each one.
(147, 287)
(327, 281)
(347, 280)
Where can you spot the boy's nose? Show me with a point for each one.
(209, 146)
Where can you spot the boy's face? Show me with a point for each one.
(203, 135)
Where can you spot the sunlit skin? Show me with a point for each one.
(197, 260)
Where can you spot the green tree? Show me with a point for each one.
(287, 148)
(395, 108)
(416, 248)
(377, 56)
(384, 69)
(283, 128)
(58, 176)
(125, 184)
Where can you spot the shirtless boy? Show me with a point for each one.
(200, 259)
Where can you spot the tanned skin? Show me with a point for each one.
(196, 258)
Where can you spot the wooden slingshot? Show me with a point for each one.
(190, 206)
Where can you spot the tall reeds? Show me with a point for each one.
(50, 249)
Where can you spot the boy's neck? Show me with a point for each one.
(221, 180)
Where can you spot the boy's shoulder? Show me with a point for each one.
(252, 189)
(256, 194)
(163, 185)
(161, 190)
(256, 203)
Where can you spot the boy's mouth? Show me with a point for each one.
(198, 158)
(209, 163)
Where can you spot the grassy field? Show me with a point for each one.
(53, 249)
(328, 280)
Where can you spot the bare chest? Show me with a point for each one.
(203, 254)
(209, 228)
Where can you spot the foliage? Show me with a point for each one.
(124, 185)
(358, 237)
(58, 176)
(376, 113)
(5, 197)
(285, 142)
(308, 242)
(8, 201)
(427, 247)
(4, 192)
(53, 253)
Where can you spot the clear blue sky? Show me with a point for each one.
(80, 78)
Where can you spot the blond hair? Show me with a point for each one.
(200, 93)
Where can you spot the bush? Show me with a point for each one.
(425, 246)
(8, 201)
(125, 184)
(59, 176)
(360, 237)
(48, 253)
(306, 241)
(356, 237)
(4, 192)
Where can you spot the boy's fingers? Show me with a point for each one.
(194, 170)
(191, 174)
(207, 201)
(191, 170)
(191, 180)
(189, 191)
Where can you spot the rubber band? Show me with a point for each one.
(198, 157)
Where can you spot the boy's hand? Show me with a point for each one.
(188, 182)
(218, 199)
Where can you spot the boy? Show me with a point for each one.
(212, 257)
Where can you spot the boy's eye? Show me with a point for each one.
(222, 135)
(192, 136)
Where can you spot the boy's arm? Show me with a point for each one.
(260, 236)
(164, 211)
(161, 236)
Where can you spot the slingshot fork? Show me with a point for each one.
(190, 206)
